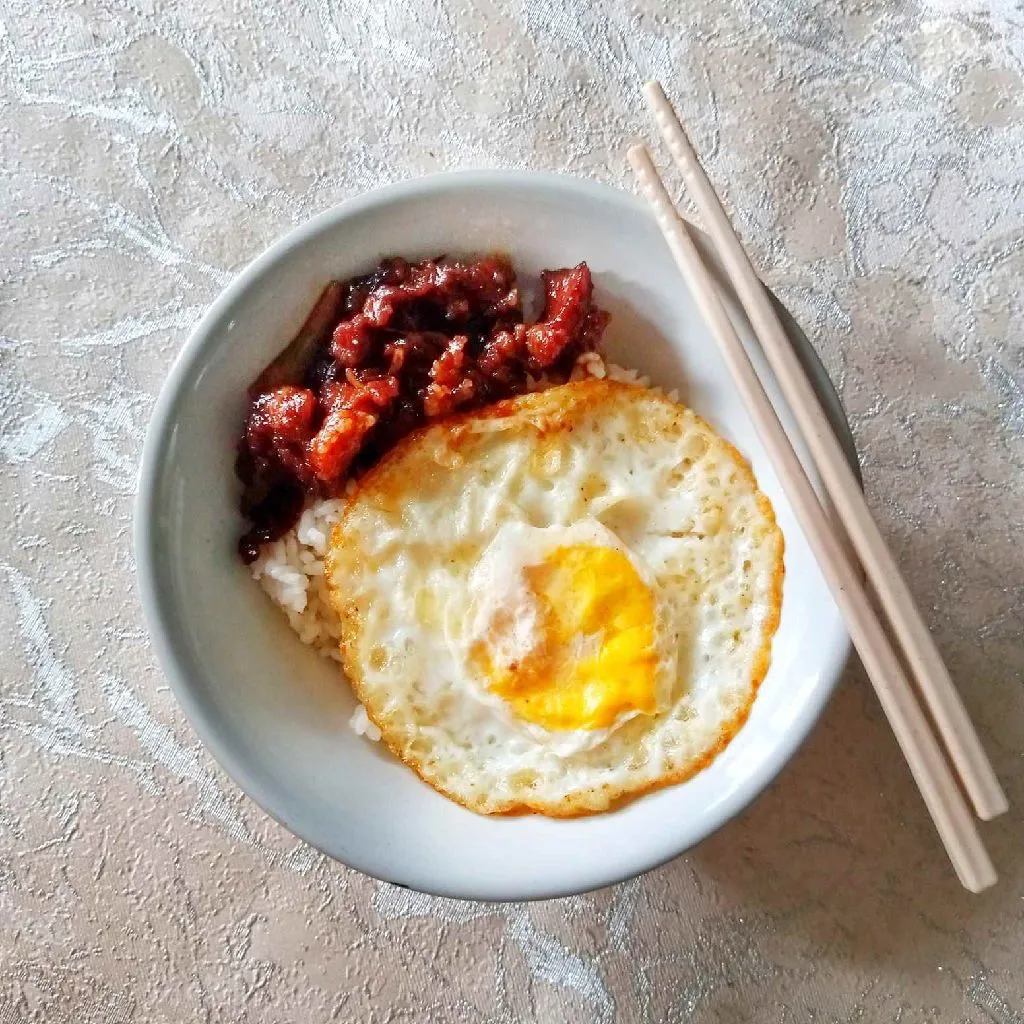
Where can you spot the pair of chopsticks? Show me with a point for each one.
(945, 802)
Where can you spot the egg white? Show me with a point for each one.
(435, 539)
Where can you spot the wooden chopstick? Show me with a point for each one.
(933, 680)
(947, 806)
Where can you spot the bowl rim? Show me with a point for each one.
(146, 529)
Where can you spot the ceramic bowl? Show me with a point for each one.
(275, 714)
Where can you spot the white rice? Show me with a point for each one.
(291, 570)
(361, 725)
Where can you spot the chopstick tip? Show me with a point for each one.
(997, 804)
(637, 153)
(652, 89)
(985, 881)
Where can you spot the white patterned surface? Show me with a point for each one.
(873, 153)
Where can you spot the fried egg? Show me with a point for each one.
(559, 601)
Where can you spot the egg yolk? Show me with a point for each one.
(593, 658)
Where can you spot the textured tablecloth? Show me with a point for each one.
(873, 154)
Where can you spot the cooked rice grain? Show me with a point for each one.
(291, 571)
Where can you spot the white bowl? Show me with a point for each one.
(275, 714)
